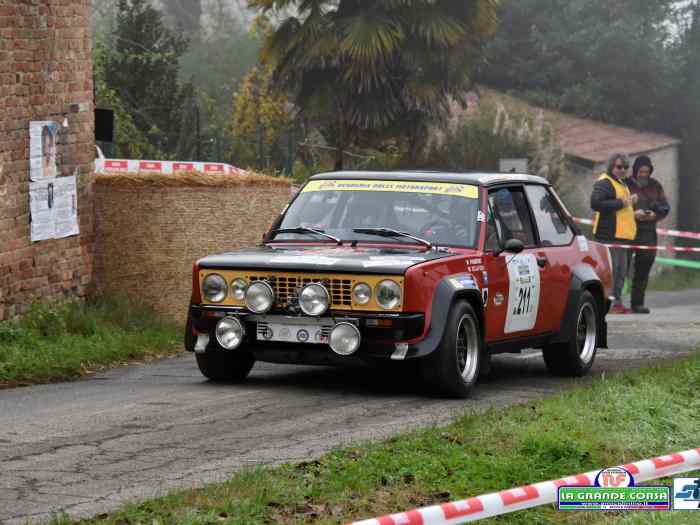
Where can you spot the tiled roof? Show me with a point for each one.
(591, 140)
(596, 141)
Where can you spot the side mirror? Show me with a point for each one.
(514, 246)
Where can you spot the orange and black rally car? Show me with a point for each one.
(441, 269)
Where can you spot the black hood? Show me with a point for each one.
(393, 261)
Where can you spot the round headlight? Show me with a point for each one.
(362, 293)
(214, 288)
(388, 294)
(344, 339)
(314, 299)
(238, 288)
(230, 333)
(259, 297)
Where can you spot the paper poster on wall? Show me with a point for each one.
(40, 201)
(54, 208)
(65, 207)
(43, 135)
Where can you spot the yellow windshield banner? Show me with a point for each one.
(466, 191)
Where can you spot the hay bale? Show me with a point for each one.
(151, 228)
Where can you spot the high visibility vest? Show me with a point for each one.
(625, 223)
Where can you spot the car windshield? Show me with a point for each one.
(443, 214)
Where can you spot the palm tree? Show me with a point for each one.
(367, 69)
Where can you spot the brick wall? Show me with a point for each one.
(45, 74)
(150, 229)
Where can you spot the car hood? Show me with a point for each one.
(393, 261)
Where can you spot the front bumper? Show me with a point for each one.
(380, 333)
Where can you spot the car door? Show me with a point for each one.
(555, 252)
(514, 308)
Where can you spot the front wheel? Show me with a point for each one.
(223, 366)
(454, 367)
(575, 356)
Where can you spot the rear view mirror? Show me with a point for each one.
(514, 246)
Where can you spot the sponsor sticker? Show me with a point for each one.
(464, 282)
(614, 489)
(466, 191)
(686, 494)
(582, 243)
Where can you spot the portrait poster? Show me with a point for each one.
(43, 137)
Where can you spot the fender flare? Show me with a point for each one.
(583, 278)
(448, 290)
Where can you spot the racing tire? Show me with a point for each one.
(225, 367)
(453, 369)
(574, 358)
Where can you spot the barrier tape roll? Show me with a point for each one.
(660, 231)
(163, 166)
(521, 498)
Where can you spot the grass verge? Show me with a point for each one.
(612, 421)
(55, 343)
(671, 280)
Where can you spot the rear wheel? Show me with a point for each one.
(454, 367)
(575, 356)
(230, 367)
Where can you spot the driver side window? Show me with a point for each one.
(512, 215)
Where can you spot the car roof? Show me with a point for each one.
(477, 178)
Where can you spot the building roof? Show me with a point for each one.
(590, 140)
(595, 141)
(476, 178)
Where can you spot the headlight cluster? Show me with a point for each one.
(387, 294)
(215, 288)
(314, 298)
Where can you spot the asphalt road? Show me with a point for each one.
(133, 433)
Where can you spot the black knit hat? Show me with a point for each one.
(640, 161)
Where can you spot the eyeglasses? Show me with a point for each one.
(621, 166)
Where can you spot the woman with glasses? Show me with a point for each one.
(614, 220)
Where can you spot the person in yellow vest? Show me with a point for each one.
(614, 221)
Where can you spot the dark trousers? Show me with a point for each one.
(643, 261)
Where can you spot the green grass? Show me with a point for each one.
(612, 421)
(671, 280)
(54, 343)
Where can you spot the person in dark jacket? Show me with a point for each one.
(650, 208)
(614, 220)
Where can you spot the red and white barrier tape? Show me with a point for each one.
(680, 249)
(660, 231)
(163, 166)
(522, 498)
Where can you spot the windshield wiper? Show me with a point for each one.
(388, 232)
(303, 230)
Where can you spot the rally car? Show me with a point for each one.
(439, 269)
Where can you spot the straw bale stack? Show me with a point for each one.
(150, 228)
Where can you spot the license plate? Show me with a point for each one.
(293, 333)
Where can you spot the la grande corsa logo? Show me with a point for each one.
(614, 477)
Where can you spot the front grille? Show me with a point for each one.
(287, 288)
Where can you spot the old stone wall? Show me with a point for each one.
(150, 229)
(45, 74)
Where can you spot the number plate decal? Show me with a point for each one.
(293, 333)
(523, 293)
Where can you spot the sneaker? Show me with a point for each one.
(640, 310)
(619, 308)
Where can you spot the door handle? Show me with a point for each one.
(541, 261)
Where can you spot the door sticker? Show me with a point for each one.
(523, 293)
